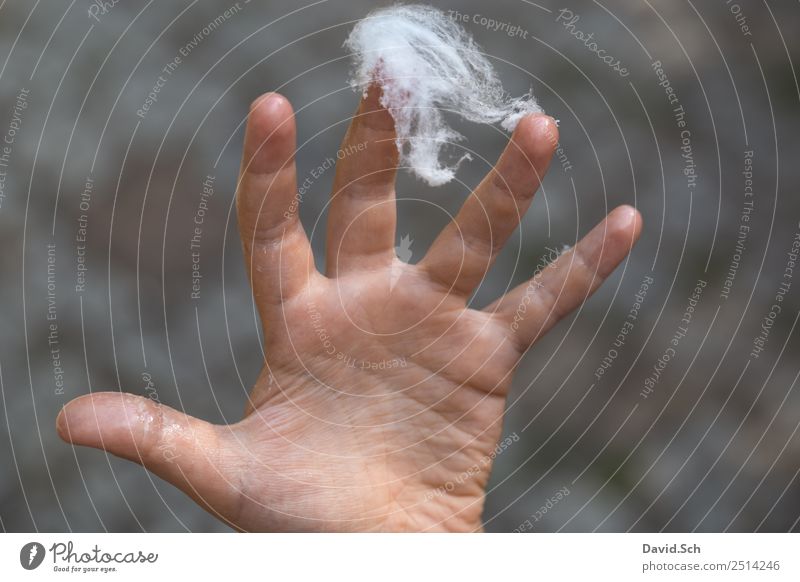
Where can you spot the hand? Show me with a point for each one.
(381, 398)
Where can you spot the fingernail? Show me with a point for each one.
(545, 123)
(61, 424)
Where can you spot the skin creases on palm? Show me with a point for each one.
(380, 404)
(407, 390)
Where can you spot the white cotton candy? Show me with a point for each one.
(426, 64)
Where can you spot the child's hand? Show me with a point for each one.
(382, 397)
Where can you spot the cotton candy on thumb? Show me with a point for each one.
(425, 64)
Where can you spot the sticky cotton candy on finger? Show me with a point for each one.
(427, 64)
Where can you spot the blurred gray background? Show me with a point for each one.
(713, 447)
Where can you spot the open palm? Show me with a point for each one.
(380, 404)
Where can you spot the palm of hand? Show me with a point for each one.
(381, 400)
(406, 394)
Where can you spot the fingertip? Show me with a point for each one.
(371, 111)
(537, 135)
(270, 103)
(371, 100)
(91, 419)
(74, 422)
(61, 425)
(271, 115)
(623, 228)
(536, 130)
(628, 218)
(545, 126)
(271, 135)
(72, 418)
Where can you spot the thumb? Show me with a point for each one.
(181, 449)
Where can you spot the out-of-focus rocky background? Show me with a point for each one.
(713, 446)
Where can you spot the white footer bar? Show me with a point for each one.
(401, 557)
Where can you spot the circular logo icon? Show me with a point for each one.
(31, 555)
